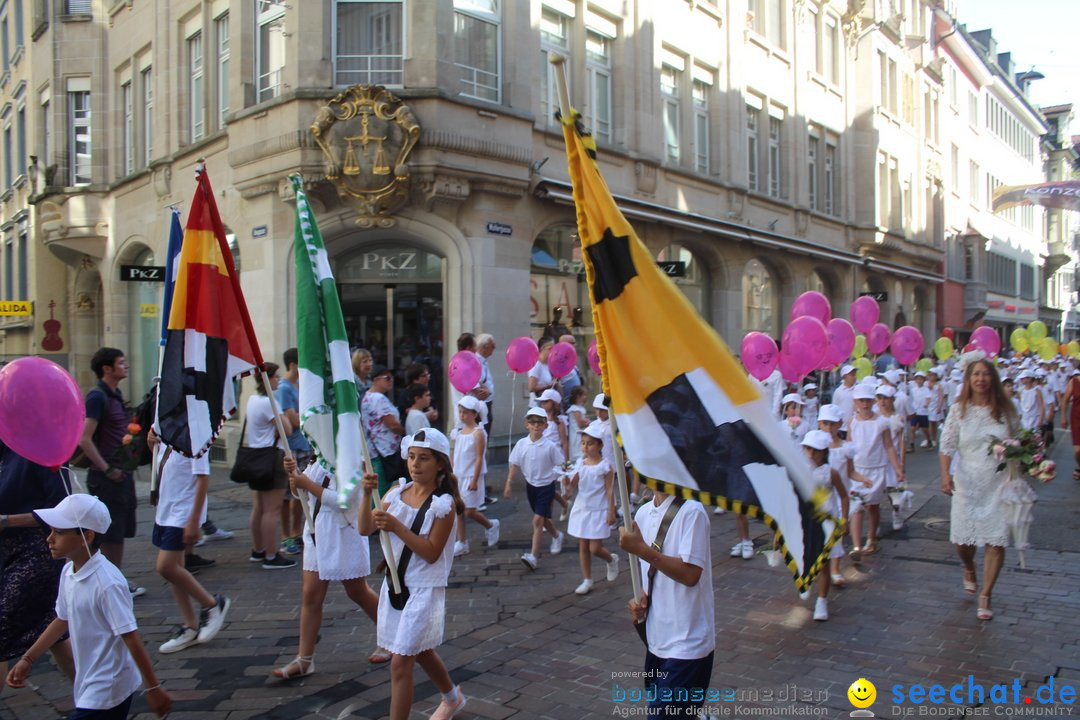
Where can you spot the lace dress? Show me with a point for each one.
(979, 516)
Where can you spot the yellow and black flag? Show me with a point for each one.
(687, 414)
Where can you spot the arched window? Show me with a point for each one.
(689, 273)
(817, 283)
(761, 302)
(558, 289)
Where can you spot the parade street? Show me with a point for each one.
(523, 645)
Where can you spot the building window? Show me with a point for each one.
(19, 24)
(1002, 273)
(46, 128)
(148, 114)
(973, 108)
(752, 175)
(370, 42)
(554, 29)
(5, 45)
(77, 7)
(269, 47)
(9, 178)
(196, 88)
(776, 188)
(700, 95)
(830, 182)
(598, 73)
(128, 143)
(221, 33)
(476, 48)
(812, 152)
(973, 182)
(829, 50)
(1027, 281)
(768, 20)
(693, 282)
(79, 137)
(761, 311)
(24, 264)
(669, 92)
(9, 267)
(20, 141)
(816, 283)
(909, 99)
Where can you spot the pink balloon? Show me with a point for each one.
(841, 341)
(814, 304)
(562, 359)
(594, 358)
(878, 338)
(907, 345)
(759, 354)
(986, 339)
(788, 369)
(41, 410)
(864, 313)
(464, 371)
(805, 342)
(521, 354)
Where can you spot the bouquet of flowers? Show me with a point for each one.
(1028, 450)
(129, 455)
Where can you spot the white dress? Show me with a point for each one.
(419, 625)
(465, 466)
(575, 431)
(896, 431)
(337, 551)
(978, 514)
(823, 476)
(588, 517)
(870, 456)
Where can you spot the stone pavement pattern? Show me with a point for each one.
(523, 645)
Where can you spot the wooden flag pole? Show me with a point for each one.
(620, 466)
(284, 437)
(384, 537)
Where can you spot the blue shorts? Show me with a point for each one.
(670, 683)
(166, 537)
(921, 421)
(540, 499)
(120, 712)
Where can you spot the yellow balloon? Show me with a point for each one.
(924, 365)
(1036, 330)
(943, 348)
(1019, 340)
(863, 368)
(1073, 348)
(860, 347)
(1047, 348)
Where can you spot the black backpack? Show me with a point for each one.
(144, 415)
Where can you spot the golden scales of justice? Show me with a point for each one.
(352, 165)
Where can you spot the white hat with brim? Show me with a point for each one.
(551, 394)
(864, 392)
(847, 369)
(886, 391)
(536, 412)
(1025, 374)
(792, 398)
(830, 413)
(77, 510)
(429, 438)
(817, 439)
(599, 403)
(920, 374)
(892, 376)
(478, 406)
(595, 429)
(809, 386)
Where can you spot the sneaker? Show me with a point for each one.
(276, 562)
(718, 510)
(736, 549)
(136, 591)
(491, 499)
(584, 587)
(491, 535)
(924, 444)
(556, 544)
(258, 556)
(218, 534)
(897, 522)
(185, 637)
(613, 568)
(530, 560)
(194, 563)
(747, 550)
(461, 548)
(211, 619)
(821, 609)
(837, 580)
(449, 710)
(482, 508)
(291, 546)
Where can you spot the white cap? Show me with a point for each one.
(77, 510)
(1025, 374)
(817, 439)
(893, 376)
(595, 429)
(920, 374)
(598, 402)
(478, 406)
(427, 438)
(809, 386)
(938, 370)
(863, 392)
(847, 369)
(536, 412)
(792, 398)
(551, 394)
(886, 391)
(830, 413)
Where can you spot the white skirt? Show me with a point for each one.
(337, 553)
(874, 494)
(588, 524)
(415, 628)
(472, 498)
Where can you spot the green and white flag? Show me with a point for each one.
(329, 415)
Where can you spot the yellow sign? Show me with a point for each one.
(148, 310)
(16, 308)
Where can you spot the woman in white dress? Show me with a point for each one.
(978, 514)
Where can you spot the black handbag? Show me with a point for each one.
(259, 468)
(398, 600)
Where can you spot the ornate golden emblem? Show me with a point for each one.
(366, 134)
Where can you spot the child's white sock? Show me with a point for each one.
(454, 696)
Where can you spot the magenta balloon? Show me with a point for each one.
(759, 354)
(594, 358)
(562, 359)
(789, 369)
(907, 345)
(805, 342)
(841, 340)
(986, 339)
(814, 304)
(864, 313)
(41, 410)
(464, 371)
(878, 338)
(521, 354)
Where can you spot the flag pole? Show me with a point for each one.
(620, 466)
(384, 536)
(261, 372)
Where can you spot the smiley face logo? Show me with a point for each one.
(862, 693)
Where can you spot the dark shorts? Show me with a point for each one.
(669, 684)
(921, 421)
(540, 499)
(166, 537)
(120, 712)
(119, 498)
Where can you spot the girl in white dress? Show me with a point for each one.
(594, 509)
(470, 458)
(842, 460)
(1031, 402)
(578, 418)
(412, 633)
(333, 551)
(936, 408)
(816, 446)
(793, 425)
(886, 408)
(556, 432)
(874, 450)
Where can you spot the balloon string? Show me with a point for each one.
(510, 431)
(68, 481)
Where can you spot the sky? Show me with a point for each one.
(1039, 33)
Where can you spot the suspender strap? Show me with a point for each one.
(657, 545)
(318, 506)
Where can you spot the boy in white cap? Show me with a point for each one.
(94, 607)
(557, 432)
(920, 403)
(538, 460)
(935, 410)
(842, 396)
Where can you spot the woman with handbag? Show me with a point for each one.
(261, 433)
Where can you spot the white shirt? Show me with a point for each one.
(96, 604)
(1029, 408)
(543, 376)
(920, 399)
(485, 377)
(844, 398)
(680, 624)
(415, 421)
(539, 461)
(260, 423)
(176, 488)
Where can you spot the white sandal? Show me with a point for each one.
(304, 664)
